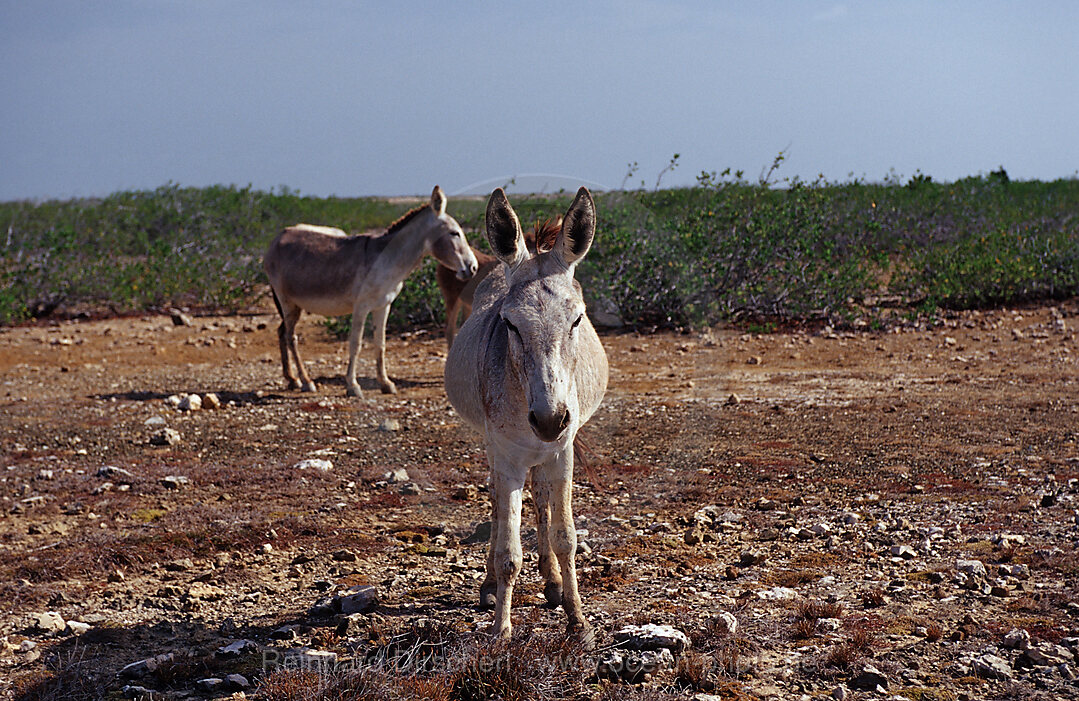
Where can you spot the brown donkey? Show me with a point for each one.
(323, 271)
(527, 370)
(457, 294)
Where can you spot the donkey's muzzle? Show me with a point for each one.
(548, 427)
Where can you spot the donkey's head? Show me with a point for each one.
(543, 309)
(448, 244)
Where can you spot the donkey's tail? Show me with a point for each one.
(586, 457)
(277, 302)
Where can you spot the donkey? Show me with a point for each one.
(527, 370)
(458, 294)
(321, 270)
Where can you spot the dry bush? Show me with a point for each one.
(934, 632)
(874, 598)
(804, 628)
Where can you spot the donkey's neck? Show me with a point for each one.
(406, 245)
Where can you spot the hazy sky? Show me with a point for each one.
(387, 98)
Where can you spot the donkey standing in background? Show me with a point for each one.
(527, 370)
(458, 294)
(323, 271)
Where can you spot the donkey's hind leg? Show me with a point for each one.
(379, 317)
(286, 339)
(355, 344)
(453, 310)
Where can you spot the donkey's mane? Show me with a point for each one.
(544, 234)
(405, 218)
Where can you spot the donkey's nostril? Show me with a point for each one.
(565, 421)
(548, 427)
(532, 420)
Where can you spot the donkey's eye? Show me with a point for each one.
(578, 321)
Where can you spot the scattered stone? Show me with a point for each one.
(828, 625)
(116, 473)
(166, 436)
(182, 565)
(344, 556)
(49, 623)
(179, 318)
(389, 426)
(175, 481)
(190, 402)
(841, 693)
(725, 624)
(138, 670)
(752, 557)
(633, 666)
(481, 534)
(210, 685)
(1017, 639)
(154, 421)
(777, 594)
(351, 625)
(903, 551)
(465, 492)
(205, 592)
(131, 691)
(359, 599)
(78, 627)
(397, 476)
(733, 400)
(284, 633)
(973, 568)
(870, 679)
(989, 666)
(651, 637)
(317, 464)
(211, 401)
(236, 682)
(1045, 654)
(237, 648)
(312, 660)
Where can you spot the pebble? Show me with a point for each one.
(389, 425)
(990, 666)
(190, 402)
(870, 678)
(317, 464)
(237, 648)
(137, 670)
(903, 551)
(652, 637)
(175, 481)
(396, 476)
(974, 568)
(633, 666)
(359, 599)
(211, 401)
(49, 623)
(726, 624)
(166, 436)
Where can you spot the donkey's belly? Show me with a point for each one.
(326, 306)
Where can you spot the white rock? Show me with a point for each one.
(166, 436)
(777, 594)
(154, 421)
(652, 637)
(396, 476)
(190, 402)
(78, 627)
(359, 599)
(990, 666)
(314, 464)
(49, 623)
(1017, 639)
(726, 624)
(974, 568)
(237, 648)
(389, 425)
(211, 401)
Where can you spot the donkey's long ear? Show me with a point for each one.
(504, 230)
(438, 201)
(578, 228)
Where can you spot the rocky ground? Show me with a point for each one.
(817, 513)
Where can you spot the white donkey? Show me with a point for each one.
(322, 270)
(527, 370)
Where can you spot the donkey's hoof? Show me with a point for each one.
(292, 384)
(309, 387)
(389, 388)
(583, 635)
(552, 591)
(487, 595)
(354, 391)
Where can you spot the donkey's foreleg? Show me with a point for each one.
(355, 343)
(507, 557)
(379, 317)
(286, 335)
(283, 341)
(563, 536)
(548, 563)
(489, 588)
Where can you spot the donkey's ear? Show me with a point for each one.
(578, 228)
(504, 230)
(438, 201)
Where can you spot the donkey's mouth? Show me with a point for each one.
(464, 274)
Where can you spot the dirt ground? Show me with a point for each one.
(823, 487)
